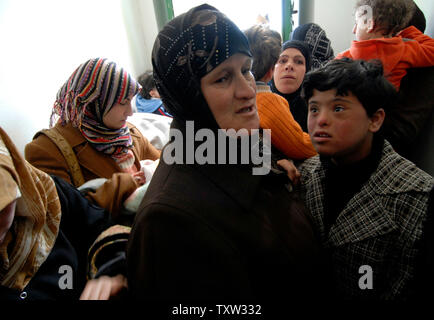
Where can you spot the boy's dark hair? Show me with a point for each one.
(364, 79)
(146, 80)
(265, 45)
(390, 16)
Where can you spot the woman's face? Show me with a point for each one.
(230, 92)
(116, 118)
(289, 71)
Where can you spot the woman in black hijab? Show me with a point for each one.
(212, 229)
(294, 62)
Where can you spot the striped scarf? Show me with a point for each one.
(87, 96)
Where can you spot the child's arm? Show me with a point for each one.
(286, 133)
(420, 52)
(343, 54)
(414, 33)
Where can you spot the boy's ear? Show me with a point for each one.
(377, 120)
(269, 75)
(370, 25)
(152, 93)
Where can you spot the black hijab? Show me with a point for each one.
(297, 104)
(186, 49)
(319, 45)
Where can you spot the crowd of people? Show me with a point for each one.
(95, 211)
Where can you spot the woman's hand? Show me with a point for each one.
(140, 178)
(290, 169)
(103, 288)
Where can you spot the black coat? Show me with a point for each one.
(81, 223)
(409, 125)
(217, 231)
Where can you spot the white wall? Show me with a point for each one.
(427, 7)
(334, 16)
(43, 41)
(142, 29)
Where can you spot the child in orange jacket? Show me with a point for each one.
(377, 27)
(274, 111)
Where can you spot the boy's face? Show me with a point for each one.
(339, 126)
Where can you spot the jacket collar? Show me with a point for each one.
(390, 160)
(418, 181)
(74, 136)
(71, 134)
(366, 215)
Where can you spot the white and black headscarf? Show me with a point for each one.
(319, 45)
(189, 47)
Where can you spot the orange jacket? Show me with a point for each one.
(409, 49)
(286, 133)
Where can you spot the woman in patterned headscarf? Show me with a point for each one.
(46, 230)
(215, 230)
(90, 113)
(319, 45)
(291, 67)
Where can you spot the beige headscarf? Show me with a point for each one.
(37, 217)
